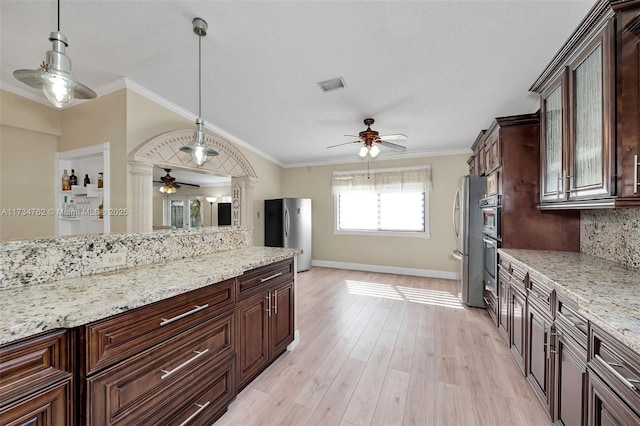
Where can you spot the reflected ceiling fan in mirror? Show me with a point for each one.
(170, 185)
(370, 140)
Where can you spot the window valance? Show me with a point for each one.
(405, 179)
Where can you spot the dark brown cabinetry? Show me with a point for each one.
(517, 323)
(589, 100)
(161, 360)
(539, 360)
(570, 397)
(265, 319)
(614, 381)
(36, 383)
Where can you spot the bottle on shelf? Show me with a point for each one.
(72, 210)
(100, 180)
(64, 206)
(100, 211)
(87, 181)
(66, 185)
(73, 179)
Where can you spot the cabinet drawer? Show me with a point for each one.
(205, 404)
(617, 365)
(541, 295)
(32, 362)
(256, 280)
(574, 324)
(121, 336)
(50, 406)
(504, 263)
(149, 379)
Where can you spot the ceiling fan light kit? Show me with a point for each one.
(199, 149)
(371, 139)
(54, 77)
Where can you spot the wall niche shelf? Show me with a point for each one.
(86, 219)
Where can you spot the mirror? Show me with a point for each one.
(199, 198)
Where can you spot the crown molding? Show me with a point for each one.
(386, 157)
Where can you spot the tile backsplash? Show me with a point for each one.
(611, 234)
(24, 263)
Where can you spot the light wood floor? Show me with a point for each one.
(383, 349)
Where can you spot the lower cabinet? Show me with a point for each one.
(265, 329)
(517, 325)
(538, 354)
(51, 406)
(570, 381)
(614, 381)
(503, 306)
(36, 380)
(606, 408)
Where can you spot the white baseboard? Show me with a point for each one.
(387, 269)
(296, 340)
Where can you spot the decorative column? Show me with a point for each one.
(248, 212)
(141, 197)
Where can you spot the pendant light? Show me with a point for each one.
(199, 149)
(54, 76)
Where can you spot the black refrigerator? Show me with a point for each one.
(287, 223)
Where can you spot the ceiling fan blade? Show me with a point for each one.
(394, 146)
(395, 137)
(351, 136)
(345, 143)
(188, 184)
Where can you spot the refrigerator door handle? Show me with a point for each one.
(457, 254)
(456, 201)
(286, 222)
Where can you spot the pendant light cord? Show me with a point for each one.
(199, 75)
(58, 15)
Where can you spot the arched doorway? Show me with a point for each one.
(164, 150)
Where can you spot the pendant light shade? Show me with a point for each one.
(199, 150)
(54, 76)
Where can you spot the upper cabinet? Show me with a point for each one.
(589, 106)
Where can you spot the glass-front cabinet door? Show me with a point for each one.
(590, 129)
(552, 146)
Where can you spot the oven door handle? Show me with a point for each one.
(490, 242)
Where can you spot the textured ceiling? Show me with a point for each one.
(437, 71)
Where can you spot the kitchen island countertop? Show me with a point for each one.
(68, 303)
(607, 293)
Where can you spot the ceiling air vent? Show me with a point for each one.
(333, 84)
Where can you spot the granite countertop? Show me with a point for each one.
(72, 302)
(607, 293)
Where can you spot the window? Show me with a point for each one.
(183, 211)
(391, 202)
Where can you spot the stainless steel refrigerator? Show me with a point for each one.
(467, 228)
(287, 223)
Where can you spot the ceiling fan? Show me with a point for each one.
(170, 184)
(370, 138)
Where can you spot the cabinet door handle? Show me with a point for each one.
(609, 366)
(560, 185)
(200, 408)
(186, 314)
(275, 302)
(270, 277)
(184, 364)
(636, 164)
(268, 297)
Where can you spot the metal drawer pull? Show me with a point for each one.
(627, 382)
(270, 277)
(636, 164)
(275, 302)
(200, 408)
(190, 360)
(176, 318)
(268, 297)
